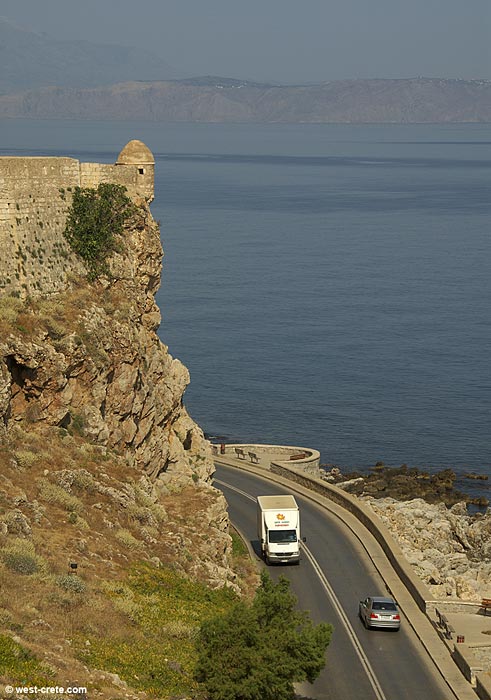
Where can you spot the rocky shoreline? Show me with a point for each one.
(404, 483)
(448, 547)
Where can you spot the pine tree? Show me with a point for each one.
(257, 651)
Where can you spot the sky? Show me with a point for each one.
(282, 41)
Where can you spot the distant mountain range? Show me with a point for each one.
(416, 100)
(51, 79)
(31, 60)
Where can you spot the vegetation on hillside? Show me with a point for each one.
(131, 607)
(95, 219)
(62, 318)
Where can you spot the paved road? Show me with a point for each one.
(332, 577)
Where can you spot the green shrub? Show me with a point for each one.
(179, 630)
(95, 219)
(10, 308)
(123, 599)
(239, 548)
(82, 479)
(128, 540)
(240, 640)
(77, 424)
(21, 563)
(20, 557)
(26, 458)
(5, 617)
(71, 583)
(54, 494)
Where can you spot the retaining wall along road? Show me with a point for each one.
(308, 482)
(375, 526)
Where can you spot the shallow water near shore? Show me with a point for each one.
(327, 286)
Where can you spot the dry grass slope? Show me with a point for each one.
(126, 617)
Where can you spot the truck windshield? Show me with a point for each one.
(282, 536)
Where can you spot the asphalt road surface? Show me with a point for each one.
(334, 574)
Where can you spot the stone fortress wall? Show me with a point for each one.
(35, 197)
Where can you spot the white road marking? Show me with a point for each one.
(372, 678)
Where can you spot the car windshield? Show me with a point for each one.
(377, 605)
(282, 536)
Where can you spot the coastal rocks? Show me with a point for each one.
(403, 483)
(448, 549)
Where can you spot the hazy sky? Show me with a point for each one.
(282, 40)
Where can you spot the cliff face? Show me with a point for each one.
(114, 545)
(87, 362)
(104, 366)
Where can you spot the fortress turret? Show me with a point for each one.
(140, 162)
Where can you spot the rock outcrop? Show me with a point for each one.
(449, 549)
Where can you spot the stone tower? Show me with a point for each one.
(142, 162)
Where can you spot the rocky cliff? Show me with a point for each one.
(106, 502)
(89, 360)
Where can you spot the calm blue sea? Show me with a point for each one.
(327, 286)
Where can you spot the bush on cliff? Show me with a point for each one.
(95, 219)
(258, 651)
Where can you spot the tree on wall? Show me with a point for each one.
(257, 651)
(95, 219)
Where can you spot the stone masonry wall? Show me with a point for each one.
(35, 197)
(33, 209)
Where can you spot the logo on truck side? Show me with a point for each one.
(281, 520)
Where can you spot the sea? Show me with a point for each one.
(327, 286)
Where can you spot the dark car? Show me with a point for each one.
(376, 611)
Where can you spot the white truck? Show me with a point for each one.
(278, 529)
